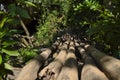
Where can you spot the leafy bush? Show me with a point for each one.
(8, 44)
(27, 53)
(103, 22)
(48, 30)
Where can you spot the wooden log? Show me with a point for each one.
(69, 70)
(29, 72)
(51, 71)
(90, 71)
(55, 54)
(110, 65)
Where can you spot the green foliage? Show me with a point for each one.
(86, 12)
(103, 21)
(15, 10)
(6, 49)
(7, 31)
(27, 54)
(28, 3)
(0, 59)
(47, 31)
(99, 19)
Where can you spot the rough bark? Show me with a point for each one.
(64, 64)
(51, 71)
(90, 71)
(70, 69)
(110, 65)
(29, 72)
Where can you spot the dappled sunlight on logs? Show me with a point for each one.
(72, 59)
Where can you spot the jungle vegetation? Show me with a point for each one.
(28, 25)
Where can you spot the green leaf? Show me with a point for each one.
(14, 31)
(9, 42)
(22, 12)
(30, 4)
(10, 52)
(0, 59)
(3, 22)
(2, 12)
(12, 9)
(8, 66)
(13, 21)
(3, 31)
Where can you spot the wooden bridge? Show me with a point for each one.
(70, 58)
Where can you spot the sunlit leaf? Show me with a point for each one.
(8, 66)
(10, 52)
(3, 32)
(9, 42)
(0, 59)
(13, 31)
(2, 12)
(3, 22)
(30, 4)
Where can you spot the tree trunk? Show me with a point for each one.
(110, 65)
(29, 72)
(70, 69)
(90, 71)
(51, 71)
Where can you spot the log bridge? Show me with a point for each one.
(70, 58)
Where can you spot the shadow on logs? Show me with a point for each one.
(90, 71)
(70, 69)
(29, 72)
(51, 71)
(109, 65)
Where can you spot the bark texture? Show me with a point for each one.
(70, 69)
(51, 71)
(110, 65)
(73, 59)
(29, 72)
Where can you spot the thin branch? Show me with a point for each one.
(23, 26)
(25, 29)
